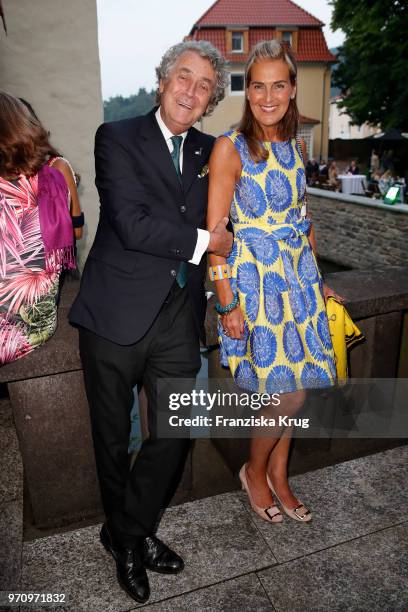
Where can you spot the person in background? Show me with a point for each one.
(323, 169)
(353, 168)
(385, 182)
(333, 174)
(374, 162)
(72, 179)
(36, 235)
(309, 172)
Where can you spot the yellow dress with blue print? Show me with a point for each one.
(286, 344)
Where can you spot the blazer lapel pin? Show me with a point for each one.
(199, 151)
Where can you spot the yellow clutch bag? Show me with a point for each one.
(344, 334)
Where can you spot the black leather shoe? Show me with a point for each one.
(157, 557)
(130, 572)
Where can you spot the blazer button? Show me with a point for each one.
(183, 208)
(173, 272)
(177, 251)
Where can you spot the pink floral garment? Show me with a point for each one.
(28, 280)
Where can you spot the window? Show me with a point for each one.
(237, 83)
(305, 131)
(287, 37)
(237, 42)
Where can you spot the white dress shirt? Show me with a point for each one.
(203, 236)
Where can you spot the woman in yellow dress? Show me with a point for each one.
(273, 328)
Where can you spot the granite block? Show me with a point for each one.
(11, 539)
(11, 473)
(6, 414)
(366, 574)
(243, 593)
(215, 536)
(348, 500)
(372, 291)
(52, 419)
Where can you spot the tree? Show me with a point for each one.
(373, 69)
(119, 107)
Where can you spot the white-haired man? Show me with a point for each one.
(141, 306)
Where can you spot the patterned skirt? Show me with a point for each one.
(286, 344)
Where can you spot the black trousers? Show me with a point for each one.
(133, 500)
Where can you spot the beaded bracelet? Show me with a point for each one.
(227, 309)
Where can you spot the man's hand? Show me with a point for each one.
(220, 240)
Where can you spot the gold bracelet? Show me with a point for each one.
(219, 272)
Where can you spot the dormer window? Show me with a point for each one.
(237, 42)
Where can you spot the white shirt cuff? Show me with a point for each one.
(203, 240)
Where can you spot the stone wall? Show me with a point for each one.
(50, 57)
(358, 232)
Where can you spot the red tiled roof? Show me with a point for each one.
(311, 47)
(256, 13)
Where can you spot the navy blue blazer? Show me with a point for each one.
(147, 226)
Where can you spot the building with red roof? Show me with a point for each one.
(235, 26)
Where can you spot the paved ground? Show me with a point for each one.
(352, 557)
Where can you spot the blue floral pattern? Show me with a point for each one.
(281, 379)
(260, 244)
(263, 346)
(313, 343)
(278, 190)
(292, 343)
(246, 377)
(323, 330)
(250, 198)
(286, 343)
(284, 153)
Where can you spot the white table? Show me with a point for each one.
(352, 183)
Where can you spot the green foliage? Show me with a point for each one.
(119, 107)
(373, 69)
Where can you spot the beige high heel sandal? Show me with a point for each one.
(305, 517)
(271, 514)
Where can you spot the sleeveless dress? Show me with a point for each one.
(286, 344)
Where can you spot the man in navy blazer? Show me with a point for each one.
(141, 306)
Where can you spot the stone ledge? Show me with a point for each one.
(369, 293)
(356, 199)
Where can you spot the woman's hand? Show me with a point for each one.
(327, 292)
(233, 323)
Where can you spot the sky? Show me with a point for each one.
(134, 34)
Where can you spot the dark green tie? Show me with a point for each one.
(175, 154)
(181, 277)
